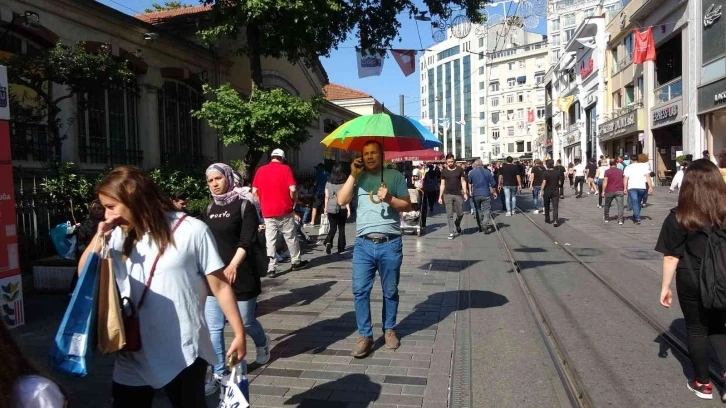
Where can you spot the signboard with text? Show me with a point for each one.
(620, 126)
(11, 291)
(666, 115)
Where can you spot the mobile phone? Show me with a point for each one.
(358, 164)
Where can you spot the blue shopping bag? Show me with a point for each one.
(76, 337)
(64, 242)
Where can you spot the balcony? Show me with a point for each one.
(518, 50)
(619, 65)
(668, 91)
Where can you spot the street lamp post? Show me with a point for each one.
(445, 123)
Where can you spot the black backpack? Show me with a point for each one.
(711, 278)
(257, 253)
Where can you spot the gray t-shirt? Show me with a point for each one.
(332, 204)
(173, 330)
(380, 218)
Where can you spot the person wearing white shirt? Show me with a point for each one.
(600, 176)
(678, 178)
(580, 169)
(637, 181)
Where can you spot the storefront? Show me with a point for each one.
(712, 92)
(622, 135)
(667, 127)
(572, 146)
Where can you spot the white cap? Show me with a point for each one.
(416, 172)
(278, 153)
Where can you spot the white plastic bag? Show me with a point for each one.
(324, 227)
(231, 394)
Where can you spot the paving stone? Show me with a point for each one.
(404, 380)
(267, 401)
(336, 385)
(264, 380)
(292, 382)
(276, 372)
(387, 370)
(400, 400)
(321, 375)
(381, 388)
(410, 363)
(267, 390)
(413, 390)
(419, 372)
(297, 394)
(437, 388)
(371, 361)
(346, 368)
(338, 395)
(300, 365)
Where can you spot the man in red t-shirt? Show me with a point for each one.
(612, 189)
(274, 186)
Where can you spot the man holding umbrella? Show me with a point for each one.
(382, 196)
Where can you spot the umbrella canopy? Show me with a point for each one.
(415, 155)
(394, 132)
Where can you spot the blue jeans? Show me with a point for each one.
(636, 195)
(510, 198)
(216, 320)
(535, 197)
(369, 257)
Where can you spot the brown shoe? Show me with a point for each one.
(363, 347)
(392, 341)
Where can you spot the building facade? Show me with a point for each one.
(455, 85)
(150, 122)
(711, 91)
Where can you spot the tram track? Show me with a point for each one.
(569, 377)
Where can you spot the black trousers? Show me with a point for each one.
(554, 198)
(579, 181)
(562, 190)
(186, 390)
(432, 197)
(337, 222)
(424, 208)
(702, 326)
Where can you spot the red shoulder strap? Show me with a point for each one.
(156, 260)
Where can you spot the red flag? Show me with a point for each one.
(530, 116)
(644, 47)
(406, 59)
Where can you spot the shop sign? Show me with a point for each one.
(586, 68)
(712, 96)
(619, 126)
(573, 138)
(666, 115)
(713, 13)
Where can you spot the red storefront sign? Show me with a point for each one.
(586, 68)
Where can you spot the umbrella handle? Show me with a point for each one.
(374, 198)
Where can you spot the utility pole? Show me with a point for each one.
(400, 105)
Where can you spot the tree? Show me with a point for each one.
(74, 67)
(267, 120)
(306, 30)
(168, 5)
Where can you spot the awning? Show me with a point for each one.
(568, 61)
(521, 79)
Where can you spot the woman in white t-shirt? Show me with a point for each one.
(164, 263)
(21, 384)
(600, 176)
(636, 181)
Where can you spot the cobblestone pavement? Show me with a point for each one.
(309, 317)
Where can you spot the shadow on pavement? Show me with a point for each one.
(677, 328)
(297, 296)
(351, 390)
(530, 250)
(446, 265)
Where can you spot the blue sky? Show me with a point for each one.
(341, 65)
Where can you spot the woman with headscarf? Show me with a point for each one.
(235, 232)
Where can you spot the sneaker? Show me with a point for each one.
(363, 347)
(637, 222)
(451, 236)
(606, 218)
(620, 222)
(535, 212)
(299, 265)
(212, 385)
(392, 341)
(704, 391)
(556, 224)
(458, 230)
(508, 214)
(599, 206)
(263, 353)
(328, 248)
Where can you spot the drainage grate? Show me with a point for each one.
(460, 391)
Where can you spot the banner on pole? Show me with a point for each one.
(369, 65)
(406, 60)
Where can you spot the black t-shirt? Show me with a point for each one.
(537, 171)
(509, 173)
(232, 230)
(561, 168)
(452, 180)
(553, 179)
(674, 240)
(591, 170)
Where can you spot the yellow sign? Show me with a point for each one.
(540, 129)
(564, 103)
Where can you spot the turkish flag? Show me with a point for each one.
(530, 116)
(644, 49)
(406, 59)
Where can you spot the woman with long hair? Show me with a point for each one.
(21, 384)
(164, 264)
(431, 187)
(337, 215)
(235, 231)
(682, 241)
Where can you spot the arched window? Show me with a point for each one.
(179, 132)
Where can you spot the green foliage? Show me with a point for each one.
(198, 206)
(295, 29)
(64, 184)
(269, 119)
(168, 5)
(681, 158)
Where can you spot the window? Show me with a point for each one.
(511, 82)
(494, 73)
(179, 132)
(482, 130)
(108, 127)
(589, 12)
(522, 64)
(539, 78)
(639, 95)
(555, 55)
(570, 20)
(511, 65)
(616, 100)
(495, 149)
(555, 41)
(520, 146)
(494, 86)
(481, 42)
(447, 53)
(482, 100)
(510, 131)
(510, 114)
(482, 115)
(628, 44)
(495, 101)
(481, 70)
(540, 112)
(540, 97)
(510, 98)
(495, 134)
(529, 146)
(481, 85)
(495, 117)
(423, 89)
(569, 33)
(510, 147)
(555, 25)
(520, 113)
(520, 97)
(481, 56)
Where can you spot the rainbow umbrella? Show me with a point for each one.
(394, 132)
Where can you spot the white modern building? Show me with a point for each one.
(455, 86)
